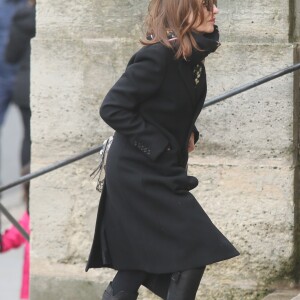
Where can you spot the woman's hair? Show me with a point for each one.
(33, 2)
(177, 16)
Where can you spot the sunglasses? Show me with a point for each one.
(209, 4)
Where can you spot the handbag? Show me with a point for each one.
(100, 170)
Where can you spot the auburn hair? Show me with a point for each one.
(177, 16)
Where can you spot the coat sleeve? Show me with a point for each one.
(120, 108)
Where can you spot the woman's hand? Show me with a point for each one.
(191, 146)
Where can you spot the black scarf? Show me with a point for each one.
(207, 42)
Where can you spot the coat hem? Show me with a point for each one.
(164, 270)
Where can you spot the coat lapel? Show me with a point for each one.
(187, 76)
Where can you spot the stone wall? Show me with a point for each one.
(296, 13)
(244, 160)
(295, 37)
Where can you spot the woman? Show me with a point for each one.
(149, 226)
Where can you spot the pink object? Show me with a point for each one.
(13, 239)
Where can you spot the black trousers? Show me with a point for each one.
(130, 281)
(26, 143)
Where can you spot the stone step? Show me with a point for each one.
(64, 282)
(284, 295)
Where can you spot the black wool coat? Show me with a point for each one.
(148, 219)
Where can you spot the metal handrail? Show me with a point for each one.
(75, 158)
(14, 221)
(252, 85)
(210, 102)
(50, 168)
(28, 177)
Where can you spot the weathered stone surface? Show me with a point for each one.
(258, 123)
(296, 12)
(243, 161)
(283, 295)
